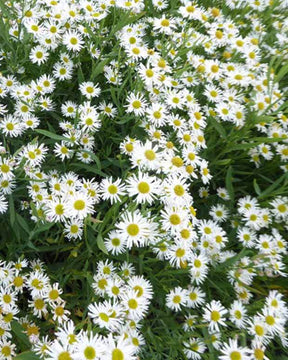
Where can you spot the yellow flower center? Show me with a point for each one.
(6, 350)
(7, 298)
(150, 155)
(53, 294)
(133, 229)
(64, 356)
(136, 104)
(177, 161)
(149, 73)
(235, 355)
(104, 317)
(59, 311)
(215, 315)
(259, 330)
(175, 219)
(117, 354)
(18, 281)
(180, 253)
(79, 205)
(259, 354)
(59, 209)
(115, 242)
(112, 189)
(179, 190)
(38, 284)
(165, 22)
(270, 320)
(143, 187)
(89, 89)
(282, 208)
(133, 304)
(74, 41)
(177, 299)
(139, 290)
(102, 284)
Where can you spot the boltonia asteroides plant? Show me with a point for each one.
(143, 179)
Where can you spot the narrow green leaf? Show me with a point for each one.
(27, 355)
(125, 120)
(229, 185)
(268, 140)
(231, 261)
(18, 331)
(257, 141)
(42, 228)
(22, 223)
(281, 73)
(12, 210)
(222, 162)
(99, 68)
(264, 118)
(273, 186)
(218, 127)
(101, 245)
(256, 187)
(80, 75)
(89, 168)
(55, 116)
(52, 135)
(94, 157)
(33, 208)
(126, 21)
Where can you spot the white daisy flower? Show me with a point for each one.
(80, 205)
(112, 190)
(73, 40)
(136, 104)
(231, 351)
(145, 187)
(214, 314)
(134, 229)
(120, 349)
(89, 90)
(176, 298)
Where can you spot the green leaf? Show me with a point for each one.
(12, 210)
(272, 187)
(125, 120)
(126, 21)
(89, 168)
(33, 208)
(257, 141)
(101, 245)
(268, 140)
(223, 162)
(27, 355)
(218, 127)
(80, 75)
(42, 228)
(244, 146)
(231, 261)
(99, 68)
(229, 185)
(256, 187)
(23, 339)
(22, 223)
(52, 135)
(281, 73)
(264, 118)
(94, 157)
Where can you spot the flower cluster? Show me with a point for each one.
(118, 318)
(156, 131)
